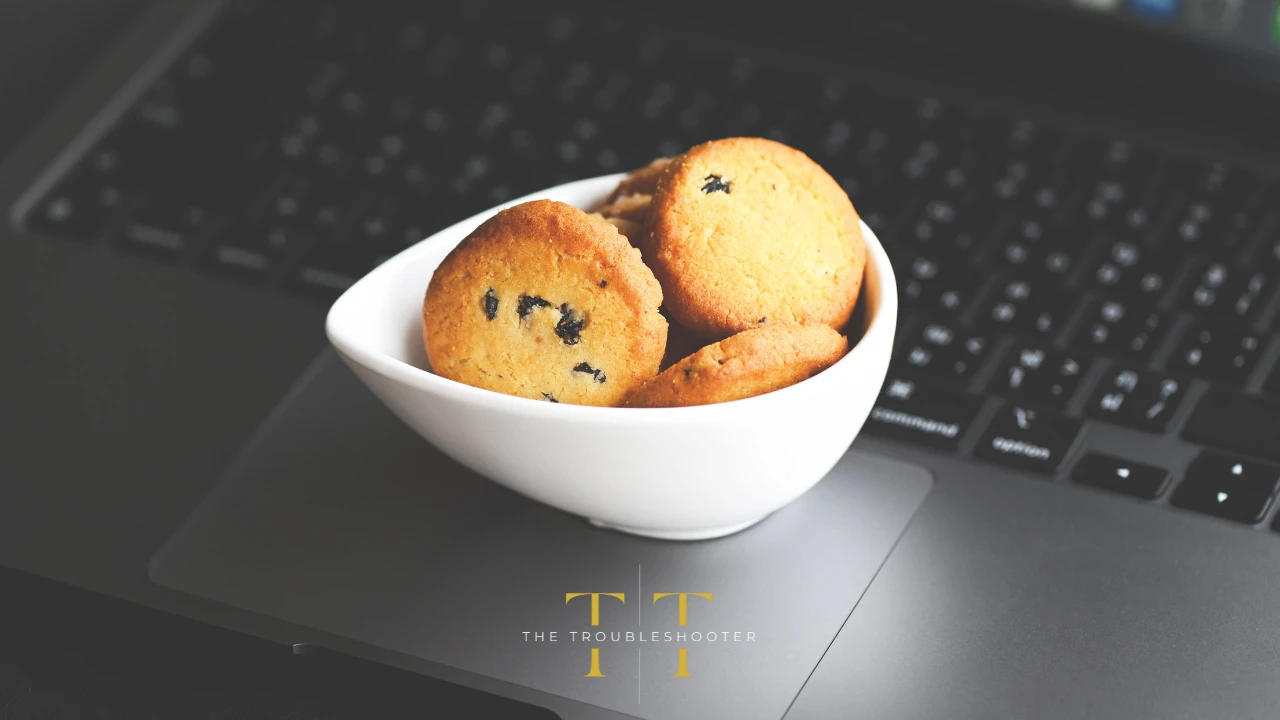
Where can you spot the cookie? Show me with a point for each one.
(751, 363)
(545, 302)
(628, 214)
(746, 231)
(630, 207)
(640, 182)
(632, 231)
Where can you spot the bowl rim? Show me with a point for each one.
(882, 323)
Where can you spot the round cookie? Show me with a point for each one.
(751, 363)
(627, 213)
(545, 302)
(746, 231)
(640, 182)
(630, 207)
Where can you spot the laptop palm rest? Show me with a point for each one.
(338, 518)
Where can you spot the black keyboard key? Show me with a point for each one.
(1041, 376)
(936, 287)
(1029, 438)
(1217, 352)
(922, 161)
(1114, 158)
(1214, 179)
(909, 410)
(293, 218)
(1226, 290)
(1124, 266)
(78, 209)
(1119, 475)
(1121, 328)
(1228, 487)
(943, 350)
(338, 262)
(1050, 262)
(1020, 137)
(954, 178)
(1238, 423)
(1140, 400)
(1025, 306)
(1209, 226)
(164, 228)
(1114, 208)
(944, 228)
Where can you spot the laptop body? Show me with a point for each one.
(114, 321)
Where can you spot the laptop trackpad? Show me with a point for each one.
(339, 518)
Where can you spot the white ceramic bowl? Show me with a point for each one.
(675, 473)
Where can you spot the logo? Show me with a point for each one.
(682, 669)
(680, 614)
(682, 620)
(595, 622)
(1160, 9)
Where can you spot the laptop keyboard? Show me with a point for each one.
(1054, 284)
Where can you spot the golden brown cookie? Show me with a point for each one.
(746, 231)
(631, 207)
(545, 302)
(751, 363)
(632, 231)
(641, 182)
(627, 213)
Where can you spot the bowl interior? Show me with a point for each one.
(379, 319)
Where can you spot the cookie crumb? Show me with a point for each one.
(527, 303)
(715, 184)
(550, 397)
(490, 304)
(570, 325)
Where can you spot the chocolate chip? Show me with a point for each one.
(550, 397)
(527, 303)
(762, 319)
(715, 184)
(593, 372)
(604, 283)
(688, 372)
(490, 304)
(570, 325)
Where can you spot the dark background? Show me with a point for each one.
(44, 45)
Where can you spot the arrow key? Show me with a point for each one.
(1228, 487)
(1119, 475)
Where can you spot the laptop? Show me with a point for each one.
(1074, 454)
